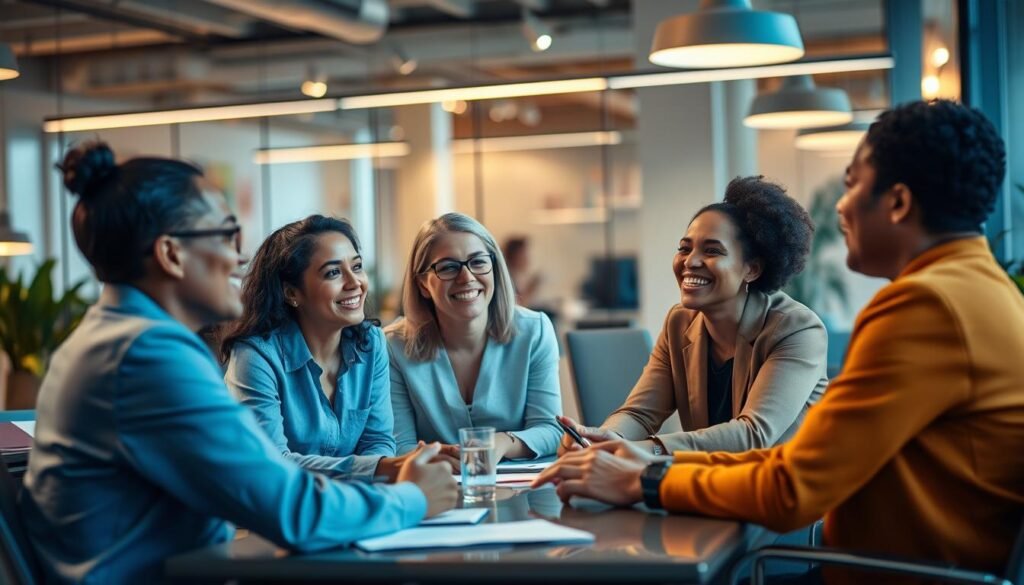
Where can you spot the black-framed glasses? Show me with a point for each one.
(234, 232)
(449, 269)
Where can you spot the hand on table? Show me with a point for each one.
(389, 467)
(593, 434)
(609, 472)
(434, 478)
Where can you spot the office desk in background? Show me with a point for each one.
(632, 546)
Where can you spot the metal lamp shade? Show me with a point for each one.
(12, 243)
(726, 33)
(799, 104)
(8, 64)
(832, 138)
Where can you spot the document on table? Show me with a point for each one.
(457, 516)
(14, 439)
(508, 478)
(525, 532)
(523, 466)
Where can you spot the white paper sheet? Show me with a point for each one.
(522, 466)
(29, 426)
(528, 531)
(457, 516)
(508, 478)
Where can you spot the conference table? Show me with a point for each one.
(632, 545)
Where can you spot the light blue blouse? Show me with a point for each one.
(277, 378)
(516, 390)
(141, 453)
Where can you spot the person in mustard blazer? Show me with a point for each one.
(738, 359)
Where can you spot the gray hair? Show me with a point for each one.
(419, 330)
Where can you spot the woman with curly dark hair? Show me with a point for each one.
(305, 358)
(737, 358)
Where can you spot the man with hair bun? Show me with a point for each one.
(917, 448)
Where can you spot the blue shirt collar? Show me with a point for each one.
(127, 298)
(295, 353)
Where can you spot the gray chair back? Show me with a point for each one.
(606, 363)
(17, 559)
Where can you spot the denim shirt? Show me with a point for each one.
(141, 453)
(516, 390)
(277, 378)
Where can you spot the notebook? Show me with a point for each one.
(525, 532)
(14, 439)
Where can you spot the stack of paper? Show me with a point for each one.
(523, 466)
(457, 516)
(16, 437)
(526, 532)
(510, 479)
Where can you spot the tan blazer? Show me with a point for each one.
(778, 372)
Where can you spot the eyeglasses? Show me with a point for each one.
(233, 232)
(448, 269)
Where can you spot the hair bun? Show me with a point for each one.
(86, 167)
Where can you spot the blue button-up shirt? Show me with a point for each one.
(277, 378)
(141, 453)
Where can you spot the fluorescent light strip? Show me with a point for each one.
(536, 141)
(209, 114)
(481, 92)
(784, 70)
(270, 156)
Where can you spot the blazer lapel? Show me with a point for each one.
(450, 393)
(695, 358)
(752, 320)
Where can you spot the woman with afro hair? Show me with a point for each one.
(737, 358)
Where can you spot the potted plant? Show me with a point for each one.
(32, 325)
(822, 283)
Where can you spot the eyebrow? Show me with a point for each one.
(229, 219)
(471, 256)
(355, 258)
(708, 241)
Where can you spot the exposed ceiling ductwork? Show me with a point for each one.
(352, 21)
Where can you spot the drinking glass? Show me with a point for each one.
(479, 469)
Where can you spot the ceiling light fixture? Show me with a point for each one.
(8, 64)
(535, 142)
(270, 156)
(401, 62)
(537, 33)
(726, 33)
(832, 138)
(207, 114)
(799, 104)
(785, 70)
(480, 92)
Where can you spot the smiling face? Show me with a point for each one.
(864, 220)
(212, 266)
(334, 285)
(709, 265)
(468, 295)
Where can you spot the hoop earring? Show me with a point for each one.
(746, 285)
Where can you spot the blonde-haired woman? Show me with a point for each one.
(465, 355)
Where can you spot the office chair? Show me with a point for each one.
(1014, 574)
(18, 564)
(605, 364)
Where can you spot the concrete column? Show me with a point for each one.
(425, 186)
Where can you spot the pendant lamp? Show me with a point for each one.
(832, 138)
(726, 33)
(799, 104)
(8, 64)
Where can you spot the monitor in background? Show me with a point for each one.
(613, 283)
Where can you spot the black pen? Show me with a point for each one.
(572, 433)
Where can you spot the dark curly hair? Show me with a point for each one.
(773, 228)
(949, 156)
(281, 259)
(123, 208)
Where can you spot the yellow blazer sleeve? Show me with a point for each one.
(720, 457)
(906, 365)
(652, 399)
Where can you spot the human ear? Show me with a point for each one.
(169, 256)
(901, 203)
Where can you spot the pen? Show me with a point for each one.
(572, 433)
